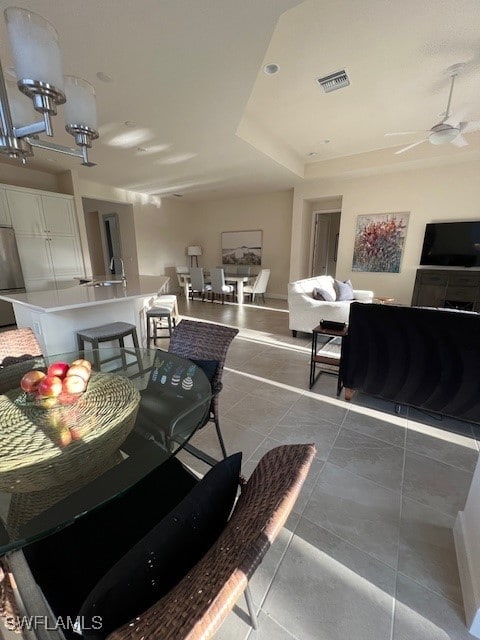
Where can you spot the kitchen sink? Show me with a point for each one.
(102, 283)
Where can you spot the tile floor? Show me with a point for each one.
(368, 551)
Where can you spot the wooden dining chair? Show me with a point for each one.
(197, 606)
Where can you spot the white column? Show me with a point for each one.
(467, 544)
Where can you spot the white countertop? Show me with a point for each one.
(84, 295)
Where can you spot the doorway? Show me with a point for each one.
(325, 235)
(111, 228)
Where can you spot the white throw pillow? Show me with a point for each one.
(326, 283)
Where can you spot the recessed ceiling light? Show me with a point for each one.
(311, 154)
(130, 123)
(326, 141)
(271, 69)
(104, 77)
(141, 150)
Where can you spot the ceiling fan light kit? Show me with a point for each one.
(38, 68)
(443, 134)
(447, 130)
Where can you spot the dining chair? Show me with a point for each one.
(219, 288)
(197, 606)
(197, 282)
(18, 343)
(259, 286)
(206, 344)
(244, 270)
(181, 271)
(17, 347)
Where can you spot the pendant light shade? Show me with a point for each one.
(80, 108)
(35, 49)
(36, 55)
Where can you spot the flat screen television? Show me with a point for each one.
(452, 244)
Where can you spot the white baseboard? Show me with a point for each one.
(469, 578)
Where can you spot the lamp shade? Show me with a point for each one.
(35, 49)
(194, 250)
(81, 107)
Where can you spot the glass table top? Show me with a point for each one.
(64, 455)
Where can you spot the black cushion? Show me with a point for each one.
(8, 361)
(166, 554)
(209, 367)
(67, 564)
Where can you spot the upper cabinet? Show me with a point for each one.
(5, 219)
(26, 212)
(40, 214)
(47, 236)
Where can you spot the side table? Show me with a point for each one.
(330, 357)
(384, 299)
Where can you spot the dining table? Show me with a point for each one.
(230, 278)
(50, 448)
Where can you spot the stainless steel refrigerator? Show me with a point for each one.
(11, 277)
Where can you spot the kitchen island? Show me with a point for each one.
(55, 315)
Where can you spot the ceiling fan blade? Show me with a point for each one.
(403, 133)
(410, 146)
(469, 127)
(459, 141)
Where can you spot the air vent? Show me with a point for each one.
(334, 81)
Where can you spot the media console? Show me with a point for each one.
(448, 288)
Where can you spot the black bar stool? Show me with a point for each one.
(108, 333)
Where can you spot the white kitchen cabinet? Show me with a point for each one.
(5, 219)
(33, 213)
(49, 258)
(26, 212)
(47, 237)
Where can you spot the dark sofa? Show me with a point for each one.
(422, 357)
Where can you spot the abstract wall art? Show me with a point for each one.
(379, 242)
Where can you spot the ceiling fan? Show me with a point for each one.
(449, 129)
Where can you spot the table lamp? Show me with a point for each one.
(194, 251)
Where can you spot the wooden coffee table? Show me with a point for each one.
(326, 355)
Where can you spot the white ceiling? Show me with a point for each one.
(188, 74)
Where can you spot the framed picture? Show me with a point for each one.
(379, 242)
(242, 247)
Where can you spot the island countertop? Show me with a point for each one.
(87, 295)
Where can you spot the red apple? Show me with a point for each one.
(85, 363)
(46, 403)
(79, 370)
(64, 436)
(58, 369)
(31, 380)
(49, 387)
(74, 384)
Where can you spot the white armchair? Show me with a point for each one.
(305, 313)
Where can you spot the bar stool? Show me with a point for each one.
(163, 307)
(108, 333)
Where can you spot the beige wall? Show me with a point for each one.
(127, 232)
(270, 212)
(434, 194)
(20, 176)
(161, 228)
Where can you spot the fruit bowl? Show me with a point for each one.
(32, 400)
(61, 384)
